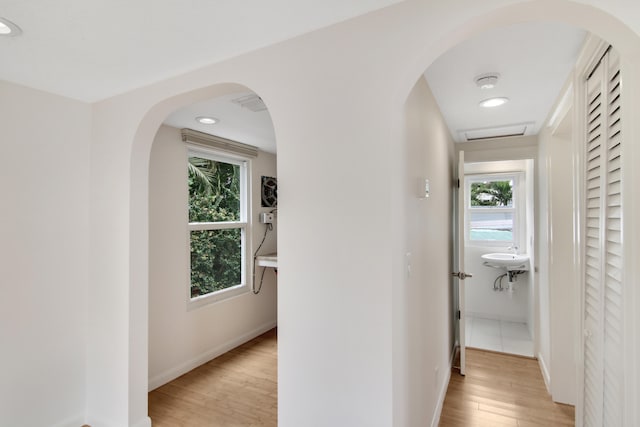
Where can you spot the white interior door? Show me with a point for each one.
(459, 274)
(603, 314)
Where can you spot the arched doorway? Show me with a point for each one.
(204, 296)
(603, 26)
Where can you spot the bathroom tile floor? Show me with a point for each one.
(499, 335)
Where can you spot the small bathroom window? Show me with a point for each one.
(492, 216)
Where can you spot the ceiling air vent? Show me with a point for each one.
(251, 102)
(519, 129)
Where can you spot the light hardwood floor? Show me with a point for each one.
(501, 390)
(238, 388)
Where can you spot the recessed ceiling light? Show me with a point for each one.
(207, 120)
(493, 102)
(8, 28)
(487, 81)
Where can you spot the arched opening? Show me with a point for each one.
(202, 326)
(204, 304)
(597, 23)
(529, 65)
(589, 18)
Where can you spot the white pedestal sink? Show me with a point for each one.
(509, 261)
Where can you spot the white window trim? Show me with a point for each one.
(518, 209)
(244, 225)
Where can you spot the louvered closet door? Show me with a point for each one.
(593, 260)
(613, 361)
(603, 364)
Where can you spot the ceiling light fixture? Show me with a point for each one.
(487, 81)
(8, 28)
(493, 102)
(207, 120)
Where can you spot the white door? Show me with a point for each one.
(459, 275)
(603, 314)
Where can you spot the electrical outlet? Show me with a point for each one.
(266, 217)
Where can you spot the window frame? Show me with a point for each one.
(243, 224)
(517, 208)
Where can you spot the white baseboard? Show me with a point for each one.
(145, 422)
(493, 316)
(443, 392)
(545, 372)
(75, 421)
(173, 373)
(96, 422)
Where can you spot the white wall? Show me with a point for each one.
(44, 224)
(423, 330)
(181, 339)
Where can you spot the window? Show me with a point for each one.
(217, 225)
(491, 210)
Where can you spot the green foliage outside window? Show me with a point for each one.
(493, 193)
(214, 196)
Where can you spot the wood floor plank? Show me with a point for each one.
(501, 390)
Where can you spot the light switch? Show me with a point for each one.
(408, 264)
(423, 188)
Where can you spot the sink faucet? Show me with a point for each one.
(513, 248)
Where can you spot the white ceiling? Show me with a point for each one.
(93, 49)
(534, 61)
(236, 122)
